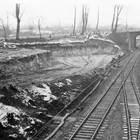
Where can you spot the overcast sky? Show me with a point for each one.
(55, 12)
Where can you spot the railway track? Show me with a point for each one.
(77, 99)
(92, 126)
(131, 109)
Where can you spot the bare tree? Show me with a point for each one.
(116, 14)
(8, 31)
(85, 12)
(18, 14)
(4, 29)
(119, 9)
(83, 19)
(126, 24)
(74, 22)
(39, 24)
(97, 25)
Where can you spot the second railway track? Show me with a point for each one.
(92, 126)
(131, 109)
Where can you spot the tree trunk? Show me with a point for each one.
(97, 20)
(83, 19)
(116, 24)
(39, 27)
(119, 9)
(86, 19)
(112, 26)
(116, 14)
(18, 29)
(18, 17)
(4, 30)
(40, 32)
(74, 23)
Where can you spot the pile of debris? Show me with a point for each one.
(24, 110)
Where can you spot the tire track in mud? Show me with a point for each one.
(85, 61)
(66, 63)
(90, 66)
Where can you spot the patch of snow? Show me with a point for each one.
(31, 120)
(47, 88)
(46, 92)
(93, 37)
(59, 84)
(68, 81)
(120, 53)
(21, 130)
(9, 45)
(116, 46)
(65, 93)
(16, 117)
(38, 120)
(26, 100)
(101, 39)
(66, 41)
(13, 135)
(4, 109)
(27, 127)
(4, 122)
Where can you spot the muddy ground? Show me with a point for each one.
(37, 83)
(114, 130)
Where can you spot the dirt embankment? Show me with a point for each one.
(37, 83)
(26, 62)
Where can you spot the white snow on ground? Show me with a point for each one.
(59, 84)
(21, 130)
(68, 81)
(4, 110)
(65, 41)
(46, 92)
(8, 109)
(117, 47)
(102, 39)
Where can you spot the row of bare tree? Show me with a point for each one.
(116, 14)
(85, 13)
(18, 15)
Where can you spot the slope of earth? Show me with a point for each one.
(37, 83)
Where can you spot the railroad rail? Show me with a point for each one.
(131, 109)
(92, 126)
(80, 98)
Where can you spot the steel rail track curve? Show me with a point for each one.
(88, 128)
(131, 111)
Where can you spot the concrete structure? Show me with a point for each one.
(132, 39)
